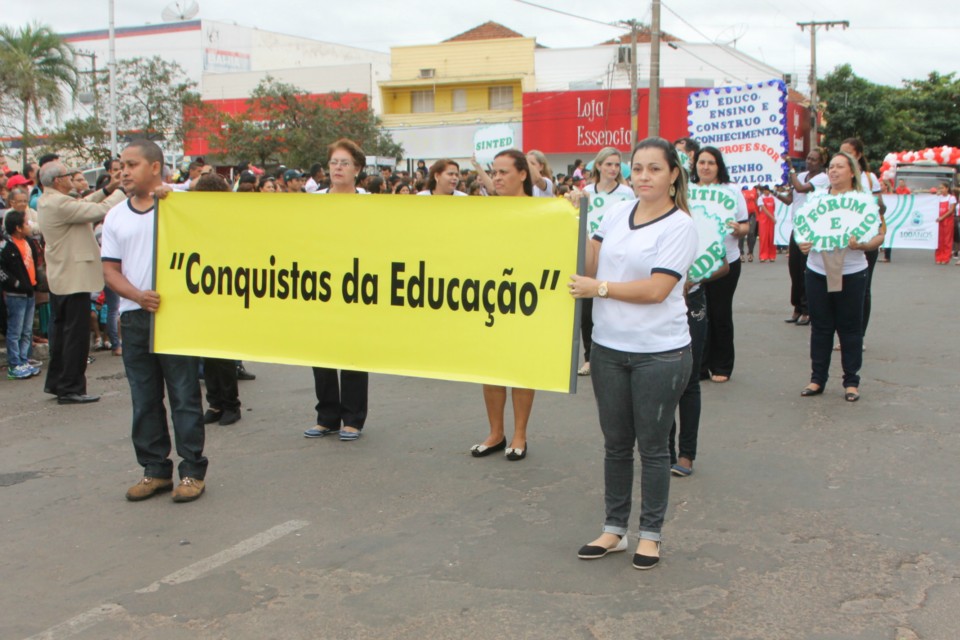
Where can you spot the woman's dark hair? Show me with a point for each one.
(520, 164)
(673, 162)
(439, 167)
(265, 181)
(12, 220)
(351, 147)
(689, 144)
(723, 177)
(857, 145)
(400, 185)
(212, 182)
(375, 184)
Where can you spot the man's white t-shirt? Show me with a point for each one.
(426, 192)
(128, 239)
(627, 253)
(311, 186)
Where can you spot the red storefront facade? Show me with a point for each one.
(584, 122)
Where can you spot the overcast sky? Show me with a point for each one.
(886, 42)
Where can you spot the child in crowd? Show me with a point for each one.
(18, 257)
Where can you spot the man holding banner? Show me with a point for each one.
(127, 253)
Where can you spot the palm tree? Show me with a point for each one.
(36, 65)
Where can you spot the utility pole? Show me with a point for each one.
(653, 128)
(93, 81)
(634, 103)
(814, 107)
(113, 85)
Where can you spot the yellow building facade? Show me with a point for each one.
(458, 83)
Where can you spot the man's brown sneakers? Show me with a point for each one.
(188, 490)
(148, 487)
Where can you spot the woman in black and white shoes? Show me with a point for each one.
(511, 178)
(606, 180)
(636, 265)
(836, 283)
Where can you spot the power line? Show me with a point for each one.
(732, 50)
(572, 15)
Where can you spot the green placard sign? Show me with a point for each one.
(828, 221)
(710, 249)
(716, 200)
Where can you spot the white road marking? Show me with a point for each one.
(87, 619)
(238, 550)
(79, 623)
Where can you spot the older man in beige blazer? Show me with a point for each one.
(74, 271)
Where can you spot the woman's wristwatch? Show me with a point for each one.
(603, 290)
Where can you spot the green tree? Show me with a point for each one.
(36, 66)
(920, 114)
(151, 96)
(934, 103)
(858, 108)
(283, 123)
(84, 139)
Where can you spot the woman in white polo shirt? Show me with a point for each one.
(870, 185)
(718, 356)
(836, 283)
(606, 180)
(443, 179)
(540, 174)
(636, 265)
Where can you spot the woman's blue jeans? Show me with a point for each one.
(637, 395)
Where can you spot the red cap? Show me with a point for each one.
(17, 181)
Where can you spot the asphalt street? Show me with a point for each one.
(806, 518)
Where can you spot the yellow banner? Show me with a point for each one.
(470, 289)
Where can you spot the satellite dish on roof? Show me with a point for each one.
(179, 11)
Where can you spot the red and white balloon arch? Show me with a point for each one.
(940, 155)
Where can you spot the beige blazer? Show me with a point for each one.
(72, 253)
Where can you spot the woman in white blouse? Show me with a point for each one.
(635, 268)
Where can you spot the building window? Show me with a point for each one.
(421, 101)
(501, 98)
(459, 100)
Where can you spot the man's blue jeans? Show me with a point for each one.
(113, 314)
(637, 395)
(19, 329)
(147, 373)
